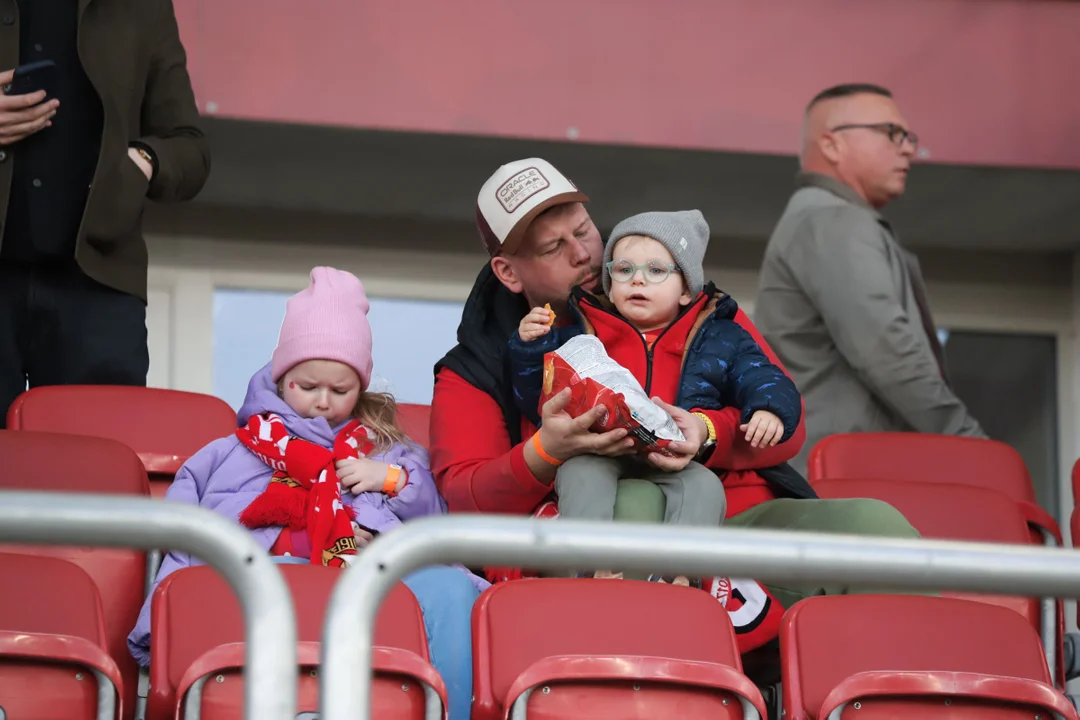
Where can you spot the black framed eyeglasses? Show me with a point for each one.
(654, 271)
(897, 134)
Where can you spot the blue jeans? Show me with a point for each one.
(446, 596)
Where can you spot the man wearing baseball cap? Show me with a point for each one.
(533, 222)
(542, 242)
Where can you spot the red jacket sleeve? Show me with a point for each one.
(732, 451)
(475, 467)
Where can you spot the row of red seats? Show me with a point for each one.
(66, 611)
(118, 412)
(949, 488)
(600, 650)
(979, 490)
(89, 433)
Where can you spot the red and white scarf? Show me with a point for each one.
(304, 491)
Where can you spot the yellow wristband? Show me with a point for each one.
(708, 425)
(543, 453)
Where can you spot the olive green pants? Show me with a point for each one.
(640, 501)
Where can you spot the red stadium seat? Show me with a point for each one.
(606, 648)
(197, 631)
(934, 458)
(415, 421)
(53, 657)
(870, 657)
(165, 427)
(947, 511)
(948, 459)
(73, 463)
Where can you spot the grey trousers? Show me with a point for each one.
(587, 484)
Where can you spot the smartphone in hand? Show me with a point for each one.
(31, 77)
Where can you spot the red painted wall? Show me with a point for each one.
(989, 82)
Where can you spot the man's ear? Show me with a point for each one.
(504, 271)
(829, 146)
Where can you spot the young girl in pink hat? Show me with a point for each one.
(319, 465)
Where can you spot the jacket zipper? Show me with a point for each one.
(644, 345)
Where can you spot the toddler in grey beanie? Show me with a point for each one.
(683, 346)
(684, 234)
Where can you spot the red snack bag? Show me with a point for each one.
(583, 365)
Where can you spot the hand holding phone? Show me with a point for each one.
(24, 113)
(31, 78)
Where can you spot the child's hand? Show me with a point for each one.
(363, 537)
(763, 430)
(536, 324)
(359, 475)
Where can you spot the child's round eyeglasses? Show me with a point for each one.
(653, 271)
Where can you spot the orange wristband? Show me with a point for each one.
(393, 474)
(543, 453)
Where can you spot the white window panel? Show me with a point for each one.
(158, 339)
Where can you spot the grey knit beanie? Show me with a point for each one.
(684, 233)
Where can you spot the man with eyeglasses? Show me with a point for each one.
(841, 302)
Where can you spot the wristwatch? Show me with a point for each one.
(710, 442)
(148, 156)
(145, 155)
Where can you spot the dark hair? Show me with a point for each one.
(847, 90)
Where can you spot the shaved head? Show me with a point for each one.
(856, 134)
(834, 106)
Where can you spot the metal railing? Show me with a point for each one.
(1048, 618)
(864, 562)
(346, 668)
(118, 521)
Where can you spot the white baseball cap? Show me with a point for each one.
(514, 196)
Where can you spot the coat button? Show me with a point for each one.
(8, 19)
(3, 156)
(36, 182)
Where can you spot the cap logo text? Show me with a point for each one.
(519, 188)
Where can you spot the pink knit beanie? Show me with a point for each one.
(327, 321)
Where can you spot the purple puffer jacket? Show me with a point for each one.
(226, 477)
